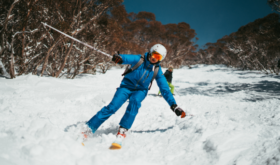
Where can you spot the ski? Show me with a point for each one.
(117, 144)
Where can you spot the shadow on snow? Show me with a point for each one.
(260, 91)
(152, 131)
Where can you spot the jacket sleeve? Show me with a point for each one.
(164, 88)
(130, 59)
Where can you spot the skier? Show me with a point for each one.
(168, 76)
(134, 87)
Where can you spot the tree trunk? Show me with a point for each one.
(12, 67)
(64, 61)
(35, 69)
(261, 66)
(47, 57)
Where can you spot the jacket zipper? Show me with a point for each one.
(146, 77)
(149, 74)
(142, 76)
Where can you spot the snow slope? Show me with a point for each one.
(237, 120)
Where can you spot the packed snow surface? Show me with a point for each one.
(236, 120)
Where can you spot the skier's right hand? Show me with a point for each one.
(117, 58)
(178, 111)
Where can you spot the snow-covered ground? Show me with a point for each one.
(236, 122)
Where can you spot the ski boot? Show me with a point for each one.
(86, 132)
(117, 144)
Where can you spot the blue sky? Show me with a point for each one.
(211, 19)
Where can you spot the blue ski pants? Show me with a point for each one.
(122, 94)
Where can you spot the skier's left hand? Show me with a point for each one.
(117, 58)
(178, 111)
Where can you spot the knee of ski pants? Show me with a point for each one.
(135, 105)
(120, 97)
(110, 109)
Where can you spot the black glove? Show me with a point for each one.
(178, 111)
(117, 58)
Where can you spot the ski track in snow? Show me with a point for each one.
(236, 120)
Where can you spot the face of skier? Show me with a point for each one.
(153, 60)
(170, 69)
(155, 57)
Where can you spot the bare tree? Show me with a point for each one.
(254, 46)
(274, 4)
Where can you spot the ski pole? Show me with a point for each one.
(76, 39)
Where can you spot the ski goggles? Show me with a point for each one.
(157, 56)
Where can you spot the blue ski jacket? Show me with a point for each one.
(141, 77)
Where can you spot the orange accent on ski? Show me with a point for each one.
(183, 114)
(83, 144)
(115, 146)
(85, 135)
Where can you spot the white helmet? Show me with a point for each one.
(159, 49)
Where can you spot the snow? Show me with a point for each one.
(32, 31)
(77, 48)
(236, 120)
(3, 69)
(10, 16)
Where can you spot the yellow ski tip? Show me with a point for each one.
(115, 146)
(83, 144)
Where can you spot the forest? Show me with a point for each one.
(27, 46)
(255, 46)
